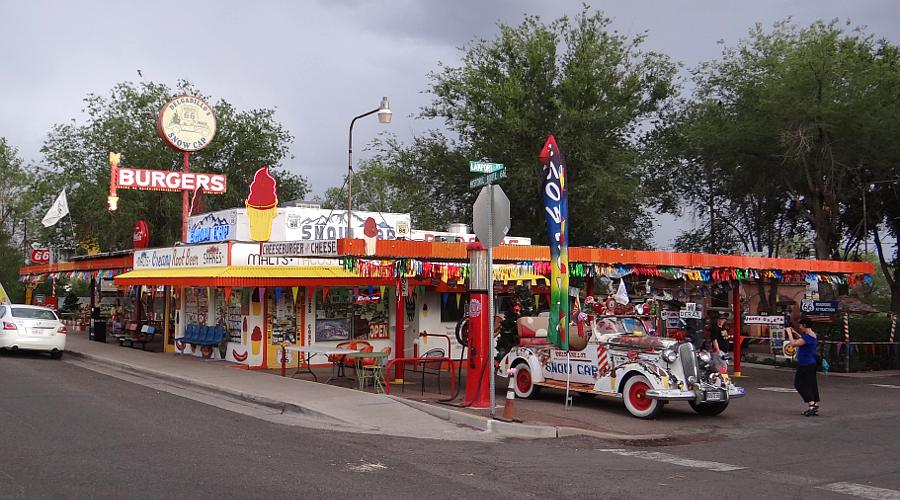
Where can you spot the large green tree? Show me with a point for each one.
(76, 158)
(779, 135)
(14, 212)
(591, 87)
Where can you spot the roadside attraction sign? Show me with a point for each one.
(186, 123)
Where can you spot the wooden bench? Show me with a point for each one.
(145, 335)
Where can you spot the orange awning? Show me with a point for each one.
(431, 250)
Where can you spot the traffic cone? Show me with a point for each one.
(509, 409)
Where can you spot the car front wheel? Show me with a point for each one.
(636, 400)
(709, 409)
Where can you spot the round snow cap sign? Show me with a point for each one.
(187, 123)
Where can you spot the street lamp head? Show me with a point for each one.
(384, 111)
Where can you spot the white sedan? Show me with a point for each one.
(32, 328)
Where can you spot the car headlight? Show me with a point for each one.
(669, 355)
(704, 356)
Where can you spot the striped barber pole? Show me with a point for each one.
(893, 325)
(847, 328)
(847, 337)
(602, 360)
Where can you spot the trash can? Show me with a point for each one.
(98, 326)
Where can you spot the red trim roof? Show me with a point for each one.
(118, 262)
(429, 250)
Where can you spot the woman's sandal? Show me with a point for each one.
(813, 411)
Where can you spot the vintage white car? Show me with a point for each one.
(619, 359)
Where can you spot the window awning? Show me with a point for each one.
(236, 276)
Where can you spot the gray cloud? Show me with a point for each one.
(320, 63)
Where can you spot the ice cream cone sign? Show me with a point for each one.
(262, 205)
(255, 340)
(370, 235)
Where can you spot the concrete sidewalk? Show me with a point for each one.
(323, 405)
(333, 407)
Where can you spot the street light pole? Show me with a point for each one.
(384, 116)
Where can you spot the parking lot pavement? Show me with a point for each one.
(771, 403)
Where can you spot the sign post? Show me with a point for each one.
(186, 124)
(491, 222)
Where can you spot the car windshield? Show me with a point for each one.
(633, 325)
(620, 325)
(29, 313)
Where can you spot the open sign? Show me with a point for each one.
(40, 255)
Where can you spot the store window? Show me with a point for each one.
(451, 309)
(344, 314)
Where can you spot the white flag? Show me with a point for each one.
(59, 210)
(621, 295)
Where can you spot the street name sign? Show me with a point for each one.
(487, 179)
(483, 167)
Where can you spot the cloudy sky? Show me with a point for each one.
(319, 63)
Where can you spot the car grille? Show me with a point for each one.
(688, 360)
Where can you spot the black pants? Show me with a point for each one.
(806, 384)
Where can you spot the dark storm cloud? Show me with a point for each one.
(319, 63)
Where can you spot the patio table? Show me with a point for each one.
(313, 350)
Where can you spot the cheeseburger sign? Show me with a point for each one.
(187, 123)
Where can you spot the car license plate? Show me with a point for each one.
(714, 396)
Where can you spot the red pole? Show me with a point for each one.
(184, 199)
(736, 326)
(399, 333)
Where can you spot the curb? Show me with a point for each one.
(852, 375)
(251, 398)
(525, 431)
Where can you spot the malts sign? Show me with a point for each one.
(164, 180)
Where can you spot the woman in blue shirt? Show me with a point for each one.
(805, 378)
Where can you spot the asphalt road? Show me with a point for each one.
(69, 432)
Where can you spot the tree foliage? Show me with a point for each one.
(13, 216)
(77, 153)
(776, 136)
(591, 87)
(412, 179)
